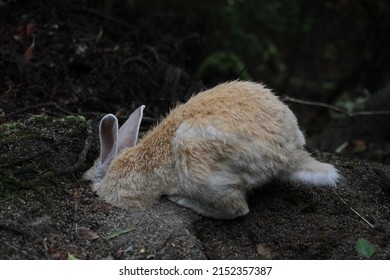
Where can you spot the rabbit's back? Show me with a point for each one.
(244, 110)
(237, 133)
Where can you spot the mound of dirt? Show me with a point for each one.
(48, 212)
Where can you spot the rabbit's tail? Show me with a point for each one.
(312, 172)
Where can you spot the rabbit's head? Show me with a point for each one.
(114, 140)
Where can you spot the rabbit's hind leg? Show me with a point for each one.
(191, 204)
(228, 207)
(232, 205)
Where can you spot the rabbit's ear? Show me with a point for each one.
(108, 132)
(128, 133)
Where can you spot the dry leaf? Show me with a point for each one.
(72, 257)
(29, 53)
(359, 146)
(87, 233)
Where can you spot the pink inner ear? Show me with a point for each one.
(128, 133)
(108, 137)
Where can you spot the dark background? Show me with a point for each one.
(94, 57)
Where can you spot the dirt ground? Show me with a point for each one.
(62, 68)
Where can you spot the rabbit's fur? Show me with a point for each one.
(207, 153)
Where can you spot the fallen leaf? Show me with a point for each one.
(72, 257)
(365, 248)
(359, 146)
(87, 233)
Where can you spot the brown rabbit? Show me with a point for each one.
(207, 153)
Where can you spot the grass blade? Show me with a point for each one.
(117, 233)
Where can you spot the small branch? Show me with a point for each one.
(46, 249)
(139, 61)
(334, 108)
(370, 113)
(317, 104)
(106, 17)
(9, 90)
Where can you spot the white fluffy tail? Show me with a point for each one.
(313, 172)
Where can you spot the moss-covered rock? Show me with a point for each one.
(34, 152)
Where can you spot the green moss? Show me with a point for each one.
(77, 119)
(11, 127)
(15, 132)
(38, 119)
(34, 151)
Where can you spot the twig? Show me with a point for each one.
(104, 16)
(342, 147)
(370, 113)
(318, 104)
(8, 90)
(138, 60)
(45, 248)
(353, 210)
(154, 53)
(335, 108)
